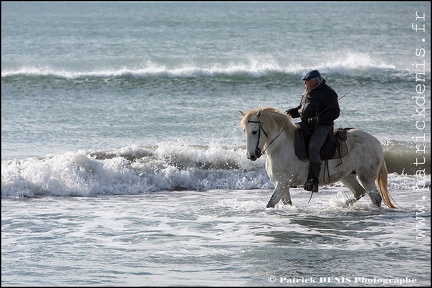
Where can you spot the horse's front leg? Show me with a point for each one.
(280, 192)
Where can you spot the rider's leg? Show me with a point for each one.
(316, 142)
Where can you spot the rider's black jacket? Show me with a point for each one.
(315, 101)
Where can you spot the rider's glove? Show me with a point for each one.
(291, 111)
(313, 121)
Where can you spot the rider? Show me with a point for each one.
(318, 109)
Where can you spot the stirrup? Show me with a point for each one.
(311, 185)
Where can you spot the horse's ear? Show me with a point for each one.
(259, 114)
(242, 113)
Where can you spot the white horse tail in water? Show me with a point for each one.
(383, 184)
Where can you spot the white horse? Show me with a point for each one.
(271, 132)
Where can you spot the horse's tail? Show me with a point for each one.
(383, 184)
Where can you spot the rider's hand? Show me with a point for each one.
(291, 111)
(313, 121)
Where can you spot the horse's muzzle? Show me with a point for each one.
(255, 156)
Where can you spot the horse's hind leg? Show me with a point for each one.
(350, 181)
(370, 187)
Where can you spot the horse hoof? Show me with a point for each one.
(351, 201)
(287, 202)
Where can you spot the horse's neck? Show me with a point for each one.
(280, 143)
(281, 159)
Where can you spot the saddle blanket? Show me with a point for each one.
(334, 147)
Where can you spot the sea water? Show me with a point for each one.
(123, 162)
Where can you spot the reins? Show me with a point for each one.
(257, 149)
(271, 142)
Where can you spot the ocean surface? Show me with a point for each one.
(123, 162)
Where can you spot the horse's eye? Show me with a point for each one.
(254, 132)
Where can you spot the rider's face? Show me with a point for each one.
(309, 84)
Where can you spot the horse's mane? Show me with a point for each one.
(270, 118)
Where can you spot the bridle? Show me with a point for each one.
(258, 151)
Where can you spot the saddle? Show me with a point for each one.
(334, 147)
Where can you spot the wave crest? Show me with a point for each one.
(137, 170)
(252, 66)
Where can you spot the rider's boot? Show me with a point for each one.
(312, 182)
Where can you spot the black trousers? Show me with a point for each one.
(316, 142)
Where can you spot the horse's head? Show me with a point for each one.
(255, 134)
(262, 127)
